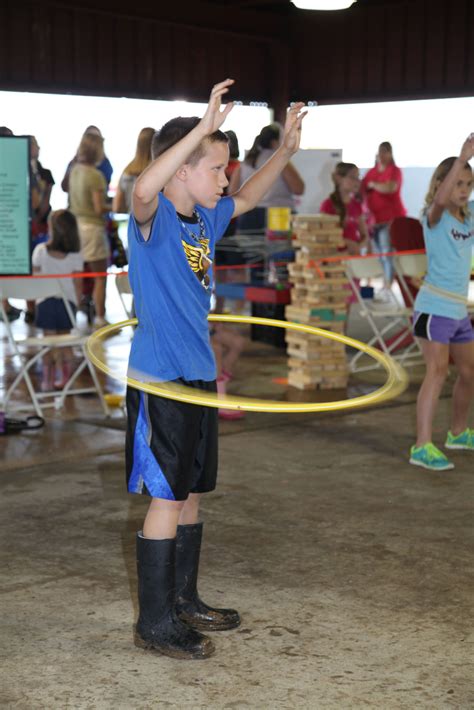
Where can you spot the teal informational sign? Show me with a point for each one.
(15, 238)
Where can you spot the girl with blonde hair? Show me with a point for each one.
(103, 164)
(87, 198)
(441, 319)
(123, 196)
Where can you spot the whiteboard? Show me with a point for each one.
(315, 167)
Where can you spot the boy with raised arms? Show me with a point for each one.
(179, 213)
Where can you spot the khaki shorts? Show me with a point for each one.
(94, 242)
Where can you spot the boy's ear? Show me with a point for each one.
(182, 172)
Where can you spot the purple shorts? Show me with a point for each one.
(441, 329)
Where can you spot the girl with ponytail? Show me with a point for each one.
(345, 202)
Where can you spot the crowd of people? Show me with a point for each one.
(86, 181)
(365, 208)
(77, 238)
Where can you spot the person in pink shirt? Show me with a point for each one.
(381, 187)
(345, 202)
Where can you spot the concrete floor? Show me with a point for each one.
(352, 570)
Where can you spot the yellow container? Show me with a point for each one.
(114, 400)
(278, 219)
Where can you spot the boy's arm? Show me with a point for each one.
(260, 182)
(153, 179)
(441, 200)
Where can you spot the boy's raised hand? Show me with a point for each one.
(292, 131)
(467, 150)
(214, 117)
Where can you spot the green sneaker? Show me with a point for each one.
(430, 457)
(464, 440)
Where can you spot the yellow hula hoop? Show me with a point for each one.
(396, 383)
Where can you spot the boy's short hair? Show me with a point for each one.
(173, 131)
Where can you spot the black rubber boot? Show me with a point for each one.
(189, 606)
(158, 627)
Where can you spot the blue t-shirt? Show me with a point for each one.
(172, 302)
(449, 251)
(106, 169)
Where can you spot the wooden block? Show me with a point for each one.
(321, 349)
(297, 355)
(329, 296)
(328, 237)
(332, 268)
(301, 258)
(314, 300)
(295, 336)
(295, 361)
(309, 352)
(316, 345)
(301, 383)
(319, 236)
(316, 248)
(308, 382)
(313, 218)
(329, 284)
(298, 293)
(295, 268)
(328, 314)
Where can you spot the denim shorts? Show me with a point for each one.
(441, 329)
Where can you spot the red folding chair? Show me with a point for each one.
(406, 233)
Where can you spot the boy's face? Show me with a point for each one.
(206, 180)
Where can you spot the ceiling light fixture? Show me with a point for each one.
(323, 4)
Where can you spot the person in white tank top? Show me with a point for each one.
(281, 194)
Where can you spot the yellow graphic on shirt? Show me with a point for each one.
(198, 259)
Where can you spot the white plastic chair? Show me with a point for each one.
(32, 289)
(398, 316)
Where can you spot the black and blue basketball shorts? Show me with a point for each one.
(171, 447)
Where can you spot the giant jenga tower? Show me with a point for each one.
(318, 297)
